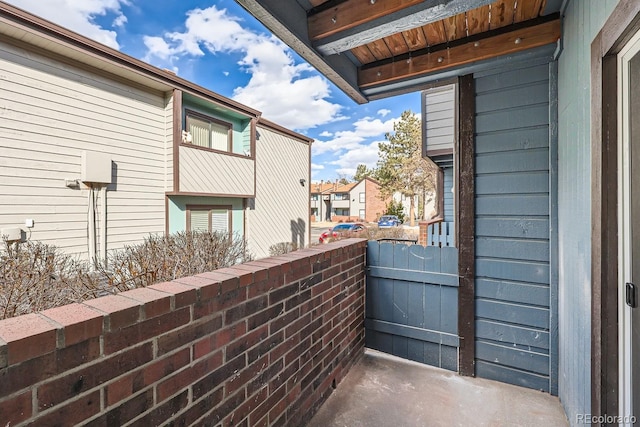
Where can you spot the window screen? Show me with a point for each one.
(199, 221)
(220, 220)
(208, 133)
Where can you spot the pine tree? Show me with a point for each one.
(362, 171)
(401, 167)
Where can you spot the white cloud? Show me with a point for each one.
(120, 21)
(290, 94)
(156, 46)
(316, 167)
(326, 134)
(366, 154)
(226, 73)
(352, 139)
(383, 112)
(77, 15)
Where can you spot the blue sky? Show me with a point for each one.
(218, 45)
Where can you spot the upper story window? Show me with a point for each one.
(361, 197)
(208, 132)
(314, 197)
(341, 196)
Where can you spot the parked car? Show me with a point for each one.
(387, 221)
(340, 229)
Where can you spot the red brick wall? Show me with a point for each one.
(422, 233)
(262, 343)
(374, 205)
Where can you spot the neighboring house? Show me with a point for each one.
(356, 201)
(320, 201)
(99, 150)
(545, 131)
(366, 201)
(341, 202)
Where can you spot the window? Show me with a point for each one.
(209, 218)
(340, 196)
(361, 197)
(314, 197)
(208, 132)
(362, 213)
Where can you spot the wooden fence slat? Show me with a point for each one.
(412, 332)
(414, 276)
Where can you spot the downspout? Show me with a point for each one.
(91, 222)
(103, 225)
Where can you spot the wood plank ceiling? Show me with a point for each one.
(494, 29)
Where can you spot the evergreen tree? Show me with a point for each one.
(362, 172)
(401, 167)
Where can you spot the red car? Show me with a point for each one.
(337, 231)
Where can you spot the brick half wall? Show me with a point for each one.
(261, 343)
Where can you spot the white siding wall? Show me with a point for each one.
(168, 118)
(215, 173)
(50, 112)
(355, 195)
(439, 117)
(583, 20)
(281, 209)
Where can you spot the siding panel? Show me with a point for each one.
(582, 21)
(281, 201)
(512, 227)
(215, 173)
(439, 117)
(448, 195)
(53, 111)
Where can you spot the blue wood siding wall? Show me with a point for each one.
(582, 21)
(448, 195)
(512, 226)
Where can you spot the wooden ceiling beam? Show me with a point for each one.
(477, 50)
(357, 22)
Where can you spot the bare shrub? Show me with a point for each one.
(35, 276)
(168, 257)
(282, 248)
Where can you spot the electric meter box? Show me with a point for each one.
(96, 167)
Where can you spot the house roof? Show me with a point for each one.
(345, 188)
(52, 39)
(277, 128)
(320, 188)
(373, 49)
(67, 45)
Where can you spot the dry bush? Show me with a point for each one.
(282, 248)
(35, 276)
(375, 233)
(167, 257)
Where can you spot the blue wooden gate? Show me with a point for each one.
(412, 302)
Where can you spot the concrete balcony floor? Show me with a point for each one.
(383, 390)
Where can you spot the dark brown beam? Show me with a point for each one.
(465, 212)
(477, 50)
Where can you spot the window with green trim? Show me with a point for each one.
(208, 132)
